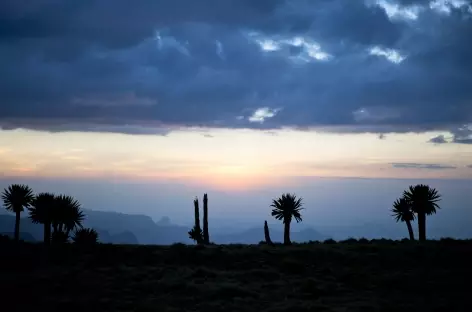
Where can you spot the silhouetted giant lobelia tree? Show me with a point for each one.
(402, 212)
(41, 211)
(267, 234)
(423, 201)
(206, 235)
(15, 199)
(85, 237)
(66, 216)
(196, 232)
(287, 207)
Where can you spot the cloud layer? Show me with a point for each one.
(375, 66)
(422, 166)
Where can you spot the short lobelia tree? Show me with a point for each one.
(402, 212)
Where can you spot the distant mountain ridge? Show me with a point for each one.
(256, 234)
(34, 232)
(120, 228)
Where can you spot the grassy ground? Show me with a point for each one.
(368, 276)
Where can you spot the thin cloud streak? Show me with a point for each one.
(422, 166)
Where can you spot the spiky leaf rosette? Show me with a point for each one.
(196, 234)
(85, 237)
(402, 210)
(286, 207)
(422, 198)
(17, 197)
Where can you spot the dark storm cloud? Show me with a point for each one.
(440, 139)
(461, 135)
(422, 166)
(121, 64)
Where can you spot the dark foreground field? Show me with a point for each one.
(375, 276)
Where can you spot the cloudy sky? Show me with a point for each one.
(235, 94)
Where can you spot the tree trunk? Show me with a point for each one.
(17, 225)
(287, 233)
(47, 233)
(206, 236)
(267, 234)
(410, 230)
(422, 226)
(197, 222)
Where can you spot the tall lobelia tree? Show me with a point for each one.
(402, 212)
(206, 235)
(423, 201)
(16, 198)
(285, 208)
(41, 212)
(196, 232)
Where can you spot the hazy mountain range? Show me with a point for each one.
(114, 227)
(120, 228)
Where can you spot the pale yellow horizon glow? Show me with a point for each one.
(229, 158)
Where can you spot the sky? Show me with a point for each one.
(235, 95)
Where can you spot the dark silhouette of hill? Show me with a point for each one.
(164, 232)
(24, 236)
(7, 223)
(120, 228)
(126, 237)
(143, 227)
(115, 222)
(34, 232)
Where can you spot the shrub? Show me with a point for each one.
(383, 241)
(349, 241)
(329, 241)
(178, 246)
(4, 239)
(447, 239)
(59, 238)
(85, 237)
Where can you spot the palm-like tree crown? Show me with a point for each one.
(67, 211)
(402, 210)
(422, 198)
(287, 207)
(17, 197)
(41, 208)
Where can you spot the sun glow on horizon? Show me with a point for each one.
(228, 159)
